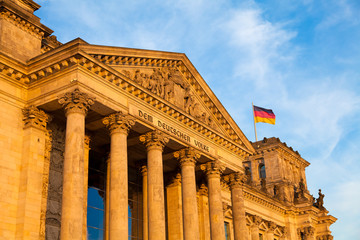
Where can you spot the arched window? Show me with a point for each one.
(262, 173)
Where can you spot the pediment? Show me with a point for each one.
(172, 77)
(167, 81)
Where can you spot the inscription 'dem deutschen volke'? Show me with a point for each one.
(163, 125)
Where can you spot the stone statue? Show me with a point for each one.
(320, 201)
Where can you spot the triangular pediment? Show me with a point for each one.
(166, 80)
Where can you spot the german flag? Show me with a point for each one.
(263, 115)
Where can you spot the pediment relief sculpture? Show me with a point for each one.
(169, 84)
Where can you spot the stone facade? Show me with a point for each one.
(144, 132)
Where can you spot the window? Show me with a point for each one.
(262, 173)
(135, 209)
(227, 230)
(96, 199)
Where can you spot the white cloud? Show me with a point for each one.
(261, 44)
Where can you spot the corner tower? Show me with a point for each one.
(21, 32)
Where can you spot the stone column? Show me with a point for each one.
(254, 228)
(86, 176)
(237, 200)
(204, 223)
(155, 142)
(76, 105)
(145, 206)
(270, 232)
(213, 170)
(119, 125)
(187, 158)
(34, 175)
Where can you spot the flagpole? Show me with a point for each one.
(254, 121)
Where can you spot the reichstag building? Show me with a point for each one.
(101, 142)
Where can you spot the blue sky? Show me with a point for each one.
(299, 58)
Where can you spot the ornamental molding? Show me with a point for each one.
(76, 101)
(21, 23)
(262, 201)
(119, 122)
(212, 168)
(154, 139)
(34, 117)
(187, 156)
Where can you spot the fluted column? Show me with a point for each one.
(213, 171)
(237, 199)
(155, 142)
(119, 125)
(145, 206)
(76, 105)
(187, 158)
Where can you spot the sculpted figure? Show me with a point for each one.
(320, 201)
(138, 78)
(154, 81)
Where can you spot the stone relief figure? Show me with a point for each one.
(320, 201)
(163, 82)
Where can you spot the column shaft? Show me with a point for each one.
(119, 125)
(76, 105)
(187, 158)
(213, 170)
(118, 187)
(156, 195)
(216, 208)
(237, 200)
(190, 210)
(73, 177)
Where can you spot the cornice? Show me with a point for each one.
(283, 149)
(26, 21)
(263, 200)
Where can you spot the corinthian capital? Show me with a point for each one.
(187, 156)
(154, 139)
(76, 101)
(213, 168)
(34, 117)
(119, 122)
(236, 179)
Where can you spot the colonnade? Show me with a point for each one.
(76, 105)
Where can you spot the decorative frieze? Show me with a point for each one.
(76, 101)
(119, 122)
(154, 139)
(34, 117)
